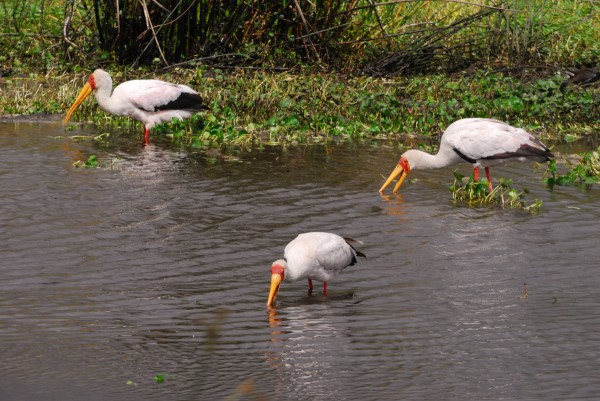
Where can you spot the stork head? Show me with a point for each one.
(277, 276)
(402, 169)
(99, 78)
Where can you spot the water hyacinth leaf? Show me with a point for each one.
(586, 171)
(465, 190)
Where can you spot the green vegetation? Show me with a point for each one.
(375, 38)
(92, 161)
(584, 171)
(268, 107)
(465, 190)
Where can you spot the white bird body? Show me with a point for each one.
(317, 255)
(314, 256)
(483, 142)
(150, 101)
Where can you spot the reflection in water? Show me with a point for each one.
(304, 349)
(395, 205)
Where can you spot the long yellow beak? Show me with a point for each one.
(85, 92)
(275, 283)
(398, 171)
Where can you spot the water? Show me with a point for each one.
(158, 264)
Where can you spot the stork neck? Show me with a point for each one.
(103, 96)
(445, 157)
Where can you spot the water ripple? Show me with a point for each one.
(159, 265)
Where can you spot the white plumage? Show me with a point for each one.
(482, 142)
(150, 101)
(316, 255)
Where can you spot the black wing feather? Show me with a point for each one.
(464, 157)
(185, 101)
(540, 155)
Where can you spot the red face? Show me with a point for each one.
(402, 168)
(92, 81)
(278, 269)
(277, 273)
(403, 162)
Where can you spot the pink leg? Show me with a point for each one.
(310, 286)
(146, 135)
(476, 173)
(489, 178)
(324, 288)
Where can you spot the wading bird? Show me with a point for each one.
(482, 142)
(150, 101)
(314, 256)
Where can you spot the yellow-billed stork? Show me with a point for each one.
(150, 101)
(315, 256)
(482, 142)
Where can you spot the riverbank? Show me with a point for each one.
(274, 107)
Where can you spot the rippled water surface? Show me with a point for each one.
(158, 264)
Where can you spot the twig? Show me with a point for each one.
(158, 30)
(389, 35)
(67, 25)
(322, 30)
(378, 18)
(118, 18)
(149, 25)
(205, 58)
(306, 27)
(160, 5)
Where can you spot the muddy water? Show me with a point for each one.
(158, 265)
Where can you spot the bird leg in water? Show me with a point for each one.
(324, 288)
(489, 178)
(487, 175)
(146, 135)
(310, 287)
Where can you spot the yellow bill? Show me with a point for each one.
(275, 284)
(85, 92)
(398, 171)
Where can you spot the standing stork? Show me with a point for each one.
(314, 256)
(150, 101)
(483, 142)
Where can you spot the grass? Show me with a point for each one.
(263, 107)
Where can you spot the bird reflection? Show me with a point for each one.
(306, 344)
(395, 205)
(274, 323)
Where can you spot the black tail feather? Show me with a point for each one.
(357, 253)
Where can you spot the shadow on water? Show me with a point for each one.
(157, 265)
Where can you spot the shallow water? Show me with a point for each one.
(158, 264)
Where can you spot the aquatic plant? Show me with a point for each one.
(585, 171)
(477, 193)
(92, 161)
